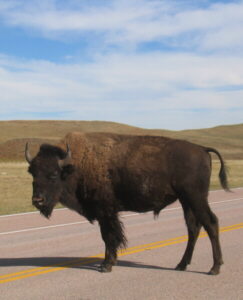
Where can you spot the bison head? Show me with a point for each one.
(50, 169)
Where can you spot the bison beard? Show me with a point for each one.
(46, 211)
(98, 175)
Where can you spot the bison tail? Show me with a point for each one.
(223, 170)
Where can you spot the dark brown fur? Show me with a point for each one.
(110, 173)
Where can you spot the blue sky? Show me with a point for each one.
(172, 64)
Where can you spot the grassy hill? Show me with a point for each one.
(14, 134)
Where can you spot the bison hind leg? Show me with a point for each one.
(193, 228)
(199, 208)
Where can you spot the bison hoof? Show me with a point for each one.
(213, 272)
(180, 267)
(215, 269)
(105, 268)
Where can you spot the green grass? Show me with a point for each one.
(16, 187)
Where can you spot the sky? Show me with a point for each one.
(168, 64)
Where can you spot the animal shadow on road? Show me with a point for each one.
(87, 263)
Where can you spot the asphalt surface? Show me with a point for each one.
(58, 258)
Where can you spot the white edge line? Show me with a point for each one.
(58, 209)
(84, 222)
(28, 213)
(43, 227)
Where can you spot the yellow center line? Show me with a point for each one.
(92, 259)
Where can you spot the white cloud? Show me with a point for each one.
(134, 21)
(118, 87)
(146, 88)
(113, 16)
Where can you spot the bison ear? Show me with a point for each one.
(67, 170)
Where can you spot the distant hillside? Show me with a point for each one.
(14, 134)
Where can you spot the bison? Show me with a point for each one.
(101, 174)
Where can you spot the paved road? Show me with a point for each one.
(58, 258)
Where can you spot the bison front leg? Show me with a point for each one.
(112, 234)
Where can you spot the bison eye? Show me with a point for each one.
(53, 176)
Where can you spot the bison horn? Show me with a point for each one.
(67, 160)
(27, 154)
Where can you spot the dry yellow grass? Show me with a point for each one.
(16, 187)
(235, 173)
